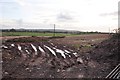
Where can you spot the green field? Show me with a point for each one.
(34, 34)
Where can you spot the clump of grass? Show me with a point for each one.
(76, 46)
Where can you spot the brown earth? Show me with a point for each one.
(82, 43)
(96, 57)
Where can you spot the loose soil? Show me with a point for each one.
(96, 57)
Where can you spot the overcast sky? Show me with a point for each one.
(82, 15)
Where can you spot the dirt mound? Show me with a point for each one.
(104, 57)
(33, 39)
(106, 51)
(28, 39)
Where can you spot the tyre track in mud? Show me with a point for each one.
(55, 56)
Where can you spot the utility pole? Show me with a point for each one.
(54, 31)
(109, 30)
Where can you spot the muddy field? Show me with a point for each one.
(84, 56)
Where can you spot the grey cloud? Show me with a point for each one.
(64, 16)
(110, 14)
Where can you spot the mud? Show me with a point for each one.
(21, 60)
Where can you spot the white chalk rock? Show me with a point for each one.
(79, 60)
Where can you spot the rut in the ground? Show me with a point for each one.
(58, 56)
